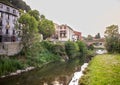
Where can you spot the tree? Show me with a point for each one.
(29, 31)
(42, 17)
(71, 49)
(89, 37)
(112, 30)
(97, 36)
(112, 37)
(20, 4)
(82, 48)
(35, 14)
(46, 27)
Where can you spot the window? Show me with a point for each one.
(7, 31)
(63, 33)
(13, 32)
(14, 11)
(8, 9)
(1, 5)
(60, 27)
(0, 22)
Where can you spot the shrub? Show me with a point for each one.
(41, 53)
(89, 55)
(90, 47)
(47, 45)
(82, 48)
(113, 47)
(71, 49)
(8, 65)
(58, 49)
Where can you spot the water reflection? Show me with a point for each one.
(61, 72)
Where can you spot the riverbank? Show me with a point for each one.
(78, 75)
(17, 72)
(61, 72)
(44, 52)
(102, 70)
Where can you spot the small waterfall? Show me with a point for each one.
(78, 75)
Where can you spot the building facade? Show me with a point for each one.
(64, 33)
(8, 19)
(8, 33)
(77, 36)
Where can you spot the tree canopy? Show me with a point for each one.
(46, 27)
(35, 14)
(29, 30)
(20, 4)
(112, 39)
(97, 36)
(112, 30)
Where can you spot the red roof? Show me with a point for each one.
(77, 33)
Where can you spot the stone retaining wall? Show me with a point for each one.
(10, 48)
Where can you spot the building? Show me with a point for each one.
(8, 18)
(8, 33)
(64, 33)
(77, 36)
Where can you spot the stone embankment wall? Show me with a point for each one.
(10, 48)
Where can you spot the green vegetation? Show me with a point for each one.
(40, 54)
(71, 49)
(46, 28)
(97, 36)
(34, 52)
(20, 4)
(103, 70)
(35, 14)
(8, 65)
(112, 37)
(29, 31)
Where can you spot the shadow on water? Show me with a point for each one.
(55, 71)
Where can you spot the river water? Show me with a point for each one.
(56, 72)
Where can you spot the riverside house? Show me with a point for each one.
(8, 34)
(64, 33)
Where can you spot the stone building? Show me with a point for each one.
(8, 18)
(8, 33)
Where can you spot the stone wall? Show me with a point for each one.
(10, 48)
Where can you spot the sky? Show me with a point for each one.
(87, 16)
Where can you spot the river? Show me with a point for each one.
(49, 74)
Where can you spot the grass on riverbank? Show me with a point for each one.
(103, 70)
(8, 65)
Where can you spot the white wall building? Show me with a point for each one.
(63, 33)
(8, 18)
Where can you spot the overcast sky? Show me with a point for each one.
(86, 16)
